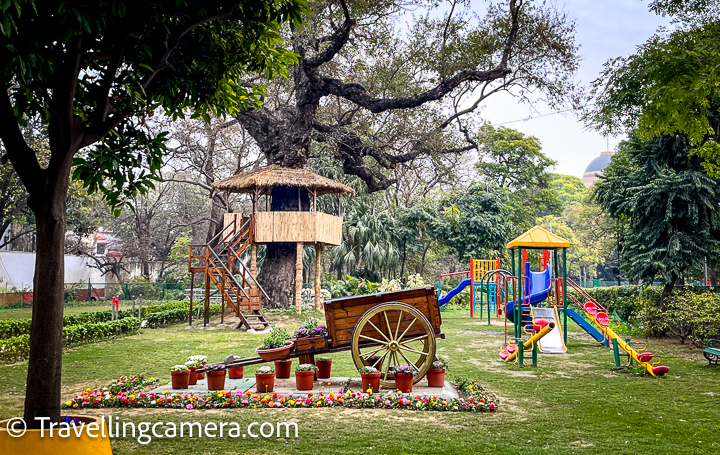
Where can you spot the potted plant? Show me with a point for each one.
(193, 365)
(215, 376)
(265, 379)
(324, 365)
(374, 361)
(403, 377)
(276, 346)
(283, 368)
(234, 372)
(305, 375)
(436, 374)
(180, 376)
(203, 361)
(370, 379)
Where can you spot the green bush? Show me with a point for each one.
(175, 316)
(685, 315)
(16, 327)
(17, 348)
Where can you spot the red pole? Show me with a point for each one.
(472, 288)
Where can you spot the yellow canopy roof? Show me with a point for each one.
(538, 237)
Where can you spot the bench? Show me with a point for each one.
(712, 352)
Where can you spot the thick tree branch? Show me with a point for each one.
(22, 157)
(360, 96)
(337, 40)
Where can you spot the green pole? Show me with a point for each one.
(564, 281)
(89, 291)
(616, 353)
(534, 354)
(520, 348)
(556, 274)
(163, 292)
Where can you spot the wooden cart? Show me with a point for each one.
(395, 328)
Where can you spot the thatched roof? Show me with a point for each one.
(264, 178)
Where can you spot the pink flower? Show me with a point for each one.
(340, 390)
(189, 406)
(387, 402)
(492, 406)
(238, 393)
(244, 401)
(290, 394)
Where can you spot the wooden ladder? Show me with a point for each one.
(220, 262)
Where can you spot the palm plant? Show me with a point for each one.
(369, 241)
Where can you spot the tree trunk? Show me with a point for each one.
(713, 276)
(42, 395)
(277, 274)
(667, 290)
(216, 217)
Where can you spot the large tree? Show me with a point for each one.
(671, 208)
(374, 95)
(670, 85)
(91, 70)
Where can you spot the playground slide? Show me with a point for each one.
(585, 325)
(453, 292)
(552, 343)
(539, 288)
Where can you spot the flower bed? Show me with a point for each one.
(477, 399)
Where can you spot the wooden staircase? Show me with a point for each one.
(221, 265)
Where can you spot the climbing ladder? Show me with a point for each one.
(219, 261)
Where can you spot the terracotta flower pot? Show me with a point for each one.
(436, 377)
(193, 375)
(283, 368)
(304, 380)
(370, 381)
(275, 354)
(264, 382)
(324, 369)
(90, 441)
(216, 380)
(404, 382)
(202, 375)
(236, 373)
(180, 379)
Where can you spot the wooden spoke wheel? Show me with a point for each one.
(396, 334)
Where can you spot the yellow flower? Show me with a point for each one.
(88, 389)
(319, 403)
(369, 390)
(220, 394)
(131, 396)
(165, 392)
(152, 378)
(291, 402)
(68, 403)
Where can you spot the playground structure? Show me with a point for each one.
(520, 292)
(488, 287)
(221, 259)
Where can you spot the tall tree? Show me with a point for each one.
(670, 85)
(361, 88)
(90, 71)
(671, 205)
(514, 162)
(570, 190)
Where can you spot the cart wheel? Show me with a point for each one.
(397, 334)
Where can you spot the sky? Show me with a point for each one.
(605, 29)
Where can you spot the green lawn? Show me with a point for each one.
(571, 403)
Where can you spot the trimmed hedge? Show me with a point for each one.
(17, 348)
(161, 318)
(685, 315)
(17, 327)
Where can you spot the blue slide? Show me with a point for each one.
(539, 287)
(585, 325)
(463, 284)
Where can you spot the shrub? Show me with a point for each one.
(685, 315)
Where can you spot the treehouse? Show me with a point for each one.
(285, 211)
